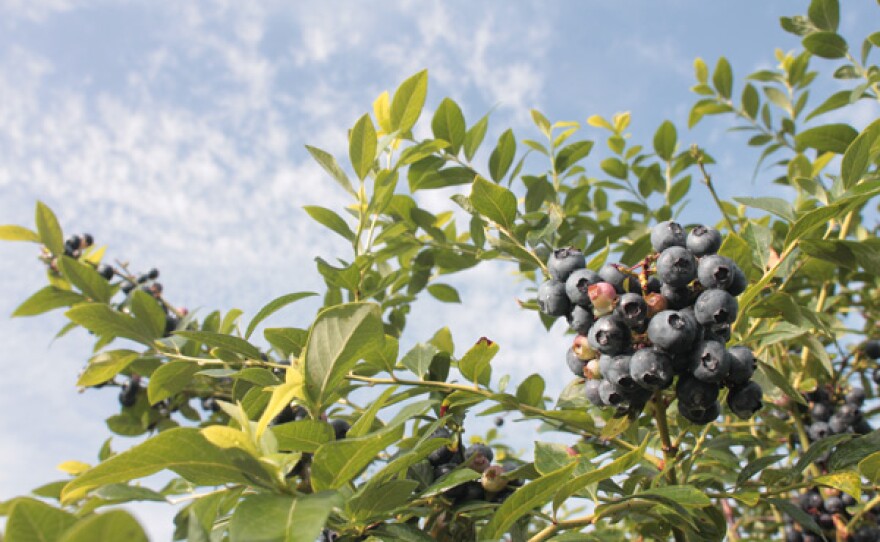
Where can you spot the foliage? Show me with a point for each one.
(262, 461)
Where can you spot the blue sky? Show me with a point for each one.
(174, 133)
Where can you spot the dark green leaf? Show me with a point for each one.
(722, 79)
(778, 206)
(851, 453)
(860, 154)
(825, 14)
(751, 102)
(376, 501)
(337, 462)
(170, 378)
(289, 340)
(795, 513)
(303, 436)
(531, 390)
(665, 139)
(618, 466)
(835, 101)
(274, 306)
(106, 322)
(825, 44)
(408, 100)
(362, 146)
(33, 520)
(444, 293)
(571, 154)
(148, 314)
(781, 382)
(614, 167)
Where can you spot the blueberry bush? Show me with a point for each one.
(725, 377)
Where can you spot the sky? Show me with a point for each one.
(174, 133)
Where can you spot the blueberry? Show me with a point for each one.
(605, 362)
(653, 285)
(847, 499)
(710, 362)
(577, 283)
(818, 430)
(677, 297)
(695, 394)
(105, 271)
(834, 505)
(811, 500)
(717, 332)
(855, 397)
(473, 491)
(825, 521)
(848, 413)
(716, 272)
(700, 416)
(127, 287)
(479, 457)
(821, 412)
(688, 314)
(739, 283)
(591, 389)
(153, 274)
(876, 375)
(672, 331)
(742, 365)
(453, 493)
(715, 307)
(552, 299)
(609, 335)
(621, 282)
(564, 261)
(676, 266)
(209, 404)
(862, 427)
(171, 323)
(871, 348)
(651, 368)
(442, 454)
(703, 240)
(867, 533)
(618, 372)
(838, 425)
(792, 535)
(632, 309)
(580, 320)
(745, 401)
(638, 398)
(612, 395)
(128, 393)
(290, 413)
(667, 234)
(73, 243)
(575, 364)
(88, 240)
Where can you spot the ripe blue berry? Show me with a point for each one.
(745, 401)
(105, 271)
(340, 428)
(739, 283)
(715, 307)
(651, 368)
(577, 283)
(818, 430)
(609, 335)
(671, 331)
(700, 416)
(575, 364)
(667, 234)
(479, 457)
(677, 297)
(612, 395)
(676, 266)
(621, 282)
(855, 397)
(552, 299)
(694, 393)
(716, 272)
(834, 505)
(632, 309)
(580, 320)
(591, 389)
(821, 412)
(871, 348)
(742, 365)
(703, 240)
(563, 261)
(710, 362)
(618, 372)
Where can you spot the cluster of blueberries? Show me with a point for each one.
(493, 485)
(824, 510)
(833, 412)
(637, 330)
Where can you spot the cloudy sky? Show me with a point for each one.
(174, 132)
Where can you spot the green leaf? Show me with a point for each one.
(328, 162)
(701, 71)
(523, 500)
(751, 102)
(111, 525)
(105, 366)
(756, 466)
(418, 360)
(848, 482)
(795, 513)
(336, 463)
(825, 14)
(33, 520)
(272, 307)
(220, 340)
(851, 453)
(833, 102)
(289, 340)
(408, 100)
(170, 378)
(618, 466)
(828, 138)
(11, 232)
(49, 230)
(722, 79)
(494, 202)
(444, 293)
(453, 479)
(551, 456)
(531, 390)
(687, 496)
(376, 501)
(780, 382)
(825, 44)
(330, 220)
(571, 154)
(474, 137)
(148, 314)
(47, 299)
(119, 493)
(502, 156)
(106, 322)
(282, 518)
(303, 436)
(778, 206)
(183, 450)
(362, 146)
(474, 365)
(84, 277)
(665, 139)
(340, 336)
(614, 167)
(870, 469)
(448, 124)
(860, 154)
